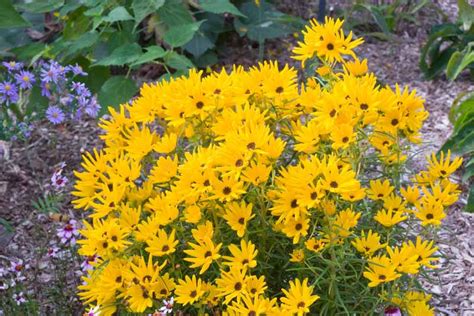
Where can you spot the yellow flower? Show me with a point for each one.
(162, 244)
(403, 259)
(203, 254)
(189, 290)
(166, 144)
(368, 243)
(380, 270)
(418, 308)
(430, 213)
(443, 167)
(232, 284)
(388, 218)
(242, 258)
(424, 250)
(237, 216)
(296, 228)
(411, 194)
(379, 190)
(315, 245)
(298, 298)
(356, 67)
(256, 286)
(297, 255)
(192, 214)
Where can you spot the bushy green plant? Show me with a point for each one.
(461, 140)
(449, 46)
(125, 34)
(386, 16)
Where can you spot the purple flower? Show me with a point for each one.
(76, 70)
(12, 65)
(8, 92)
(25, 79)
(53, 252)
(53, 72)
(392, 311)
(46, 89)
(59, 181)
(19, 298)
(92, 109)
(55, 115)
(68, 233)
(86, 265)
(80, 89)
(18, 267)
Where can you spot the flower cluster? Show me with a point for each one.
(245, 192)
(66, 97)
(12, 278)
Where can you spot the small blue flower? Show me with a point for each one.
(76, 70)
(12, 65)
(8, 92)
(55, 115)
(25, 79)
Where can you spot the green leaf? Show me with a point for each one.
(177, 61)
(117, 90)
(457, 63)
(263, 22)
(466, 14)
(153, 53)
(86, 40)
(7, 225)
(9, 17)
(42, 6)
(207, 59)
(118, 14)
(76, 24)
(199, 44)
(179, 35)
(220, 6)
(378, 16)
(125, 54)
(468, 173)
(142, 8)
(432, 59)
(174, 13)
(29, 51)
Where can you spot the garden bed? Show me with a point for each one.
(25, 176)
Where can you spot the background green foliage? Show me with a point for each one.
(449, 46)
(461, 140)
(112, 38)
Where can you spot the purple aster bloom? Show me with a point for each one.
(55, 115)
(12, 65)
(8, 92)
(80, 89)
(92, 109)
(53, 72)
(76, 70)
(25, 79)
(45, 89)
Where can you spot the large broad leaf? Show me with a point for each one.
(117, 90)
(125, 54)
(466, 14)
(152, 53)
(177, 61)
(220, 6)
(86, 40)
(433, 58)
(142, 8)
(173, 13)
(179, 35)
(118, 14)
(42, 6)
(199, 44)
(9, 17)
(458, 62)
(263, 22)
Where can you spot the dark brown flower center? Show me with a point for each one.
(227, 190)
